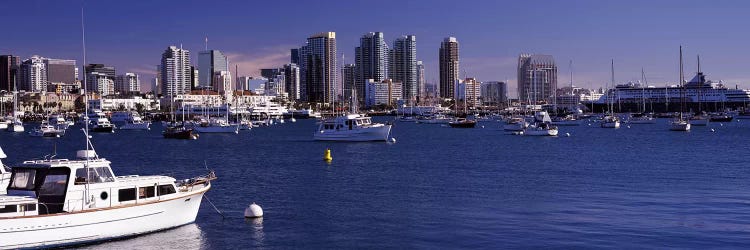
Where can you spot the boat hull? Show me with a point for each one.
(676, 126)
(108, 129)
(375, 133)
(467, 124)
(610, 124)
(67, 229)
(15, 128)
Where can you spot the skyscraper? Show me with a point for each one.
(449, 67)
(60, 70)
(537, 78)
(371, 61)
(291, 79)
(348, 76)
(494, 93)
(128, 84)
(210, 62)
(294, 57)
(9, 69)
(175, 71)
(33, 75)
(319, 71)
(99, 74)
(404, 66)
(421, 81)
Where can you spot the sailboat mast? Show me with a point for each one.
(611, 100)
(682, 86)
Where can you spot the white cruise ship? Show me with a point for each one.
(697, 90)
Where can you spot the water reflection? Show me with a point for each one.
(185, 237)
(256, 229)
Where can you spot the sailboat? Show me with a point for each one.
(567, 120)
(642, 117)
(16, 125)
(700, 118)
(174, 130)
(610, 120)
(680, 124)
(461, 122)
(60, 202)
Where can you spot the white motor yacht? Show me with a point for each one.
(610, 121)
(60, 202)
(352, 127)
(59, 121)
(135, 122)
(516, 124)
(47, 130)
(216, 126)
(679, 125)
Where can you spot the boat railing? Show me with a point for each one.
(189, 184)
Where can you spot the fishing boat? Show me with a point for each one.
(352, 127)
(47, 130)
(680, 124)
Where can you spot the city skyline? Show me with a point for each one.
(635, 34)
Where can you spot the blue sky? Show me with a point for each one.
(131, 35)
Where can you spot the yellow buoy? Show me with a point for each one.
(327, 156)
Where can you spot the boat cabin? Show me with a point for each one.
(63, 186)
(348, 122)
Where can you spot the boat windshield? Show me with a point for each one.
(96, 175)
(23, 179)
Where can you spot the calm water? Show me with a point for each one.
(437, 187)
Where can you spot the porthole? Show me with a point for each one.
(104, 195)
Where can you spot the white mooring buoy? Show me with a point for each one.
(253, 211)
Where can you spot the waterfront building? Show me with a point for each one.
(223, 84)
(9, 70)
(386, 92)
(537, 78)
(276, 84)
(128, 84)
(292, 81)
(403, 66)
(469, 90)
(449, 67)
(175, 71)
(108, 104)
(319, 68)
(210, 62)
(371, 61)
(494, 93)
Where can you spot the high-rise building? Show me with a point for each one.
(404, 66)
(128, 84)
(175, 71)
(385, 92)
(371, 61)
(61, 70)
(494, 93)
(537, 78)
(194, 83)
(100, 83)
(9, 70)
(276, 81)
(449, 67)
(294, 57)
(318, 68)
(33, 75)
(223, 84)
(95, 74)
(291, 78)
(469, 90)
(421, 81)
(349, 76)
(210, 62)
